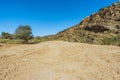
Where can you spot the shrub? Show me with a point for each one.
(34, 41)
(13, 41)
(6, 35)
(4, 40)
(16, 41)
(112, 40)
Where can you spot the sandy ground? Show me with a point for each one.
(59, 61)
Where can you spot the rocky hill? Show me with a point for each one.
(95, 28)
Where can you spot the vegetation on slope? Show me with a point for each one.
(95, 29)
(112, 40)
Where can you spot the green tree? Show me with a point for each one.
(24, 33)
(6, 35)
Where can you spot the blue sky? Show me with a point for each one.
(46, 16)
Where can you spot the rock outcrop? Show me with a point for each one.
(108, 18)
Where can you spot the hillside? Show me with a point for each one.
(95, 28)
(59, 61)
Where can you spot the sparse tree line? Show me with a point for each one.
(22, 35)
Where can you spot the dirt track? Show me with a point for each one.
(60, 61)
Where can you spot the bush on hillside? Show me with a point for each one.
(112, 41)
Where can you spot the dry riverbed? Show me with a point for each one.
(57, 60)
